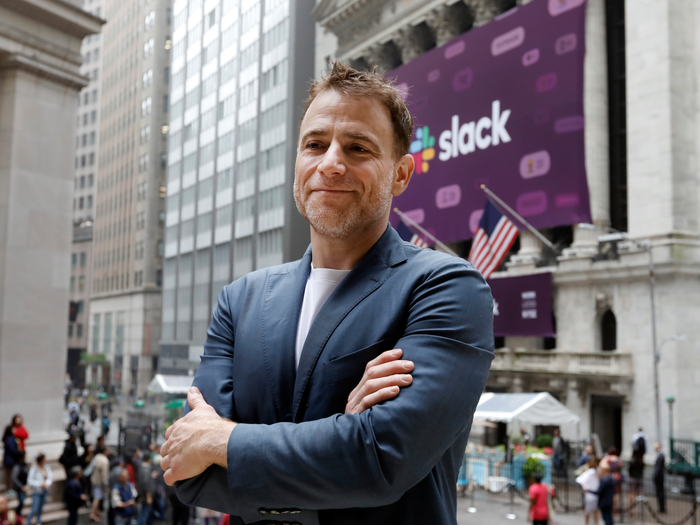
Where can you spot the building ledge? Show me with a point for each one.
(58, 14)
(613, 364)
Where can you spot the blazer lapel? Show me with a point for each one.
(284, 293)
(371, 272)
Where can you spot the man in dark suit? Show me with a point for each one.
(659, 477)
(296, 415)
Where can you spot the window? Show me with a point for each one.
(72, 284)
(89, 201)
(74, 260)
(93, 117)
(81, 283)
(92, 137)
(608, 331)
(83, 259)
(211, 19)
(92, 159)
(276, 35)
(274, 77)
(70, 330)
(81, 203)
(211, 52)
(79, 330)
(166, 76)
(249, 55)
(165, 103)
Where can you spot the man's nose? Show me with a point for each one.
(333, 162)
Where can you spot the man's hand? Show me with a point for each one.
(196, 441)
(382, 380)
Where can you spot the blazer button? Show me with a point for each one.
(264, 512)
(273, 511)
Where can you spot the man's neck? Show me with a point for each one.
(344, 254)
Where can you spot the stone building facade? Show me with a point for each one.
(40, 79)
(641, 145)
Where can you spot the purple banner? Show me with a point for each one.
(522, 306)
(501, 105)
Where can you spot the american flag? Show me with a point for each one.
(407, 235)
(493, 239)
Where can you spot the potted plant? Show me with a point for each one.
(531, 467)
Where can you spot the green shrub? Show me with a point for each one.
(531, 467)
(544, 440)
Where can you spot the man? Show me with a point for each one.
(296, 411)
(123, 500)
(659, 477)
(7, 516)
(99, 479)
(73, 495)
(640, 443)
(558, 449)
(145, 486)
(70, 458)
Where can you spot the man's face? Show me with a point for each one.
(3, 504)
(123, 476)
(345, 172)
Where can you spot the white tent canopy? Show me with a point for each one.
(166, 384)
(535, 409)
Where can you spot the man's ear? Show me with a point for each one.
(403, 171)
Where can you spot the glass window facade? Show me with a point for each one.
(230, 164)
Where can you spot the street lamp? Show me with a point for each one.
(645, 244)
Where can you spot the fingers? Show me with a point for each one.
(388, 369)
(364, 396)
(377, 397)
(385, 357)
(195, 398)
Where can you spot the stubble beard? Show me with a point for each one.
(342, 223)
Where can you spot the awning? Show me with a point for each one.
(165, 384)
(536, 409)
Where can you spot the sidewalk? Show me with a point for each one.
(492, 510)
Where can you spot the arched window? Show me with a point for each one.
(608, 331)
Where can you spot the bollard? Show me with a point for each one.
(472, 483)
(511, 489)
(641, 500)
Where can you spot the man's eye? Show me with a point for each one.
(359, 149)
(313, 145)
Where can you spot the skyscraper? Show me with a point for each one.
(128, 239)
(86, 144)
(240, 73)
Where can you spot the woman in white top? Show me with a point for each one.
(39, 479)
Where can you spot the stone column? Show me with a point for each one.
(662, 137)
(528, 255)
(39, 85)
(413, 41)
(595, 104)
(448, 22)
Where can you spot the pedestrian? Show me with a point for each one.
(589, 480)
(70, 458)
(640, 442)
(585, 456)
(93, 411)
(99, 479)
(10, 454)
(146, 487)
(20, 474)
(558, 449)
(73, 495)
(124, 500)
(635, 469)
(117, 466)
(19, 431)
(105, 424)
(87, 466)
(180, 513)
(39, 479)
(659, 477)
(7, 516)
(606, 493)
(539, 507)
(614, 465)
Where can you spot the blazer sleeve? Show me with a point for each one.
(373, 458)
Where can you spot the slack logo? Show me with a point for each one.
(464, 139)
(422, 149)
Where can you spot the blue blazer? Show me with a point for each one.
(295, 457)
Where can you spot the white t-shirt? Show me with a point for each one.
(319, 287)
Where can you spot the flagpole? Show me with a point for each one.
(529, 226)
(424, 232)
